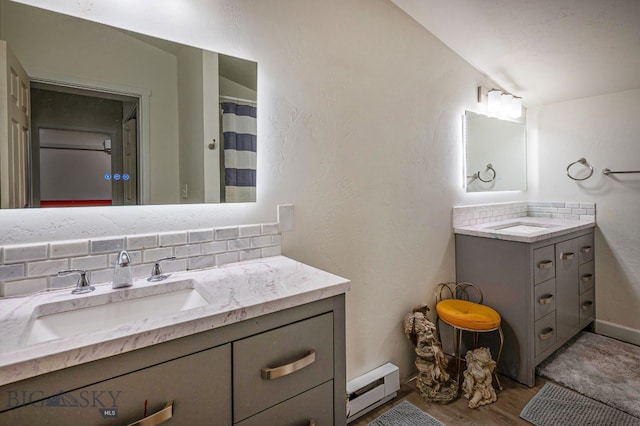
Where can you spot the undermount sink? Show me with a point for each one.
(112, 314)
(523, 227)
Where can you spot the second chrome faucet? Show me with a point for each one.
(122, 276)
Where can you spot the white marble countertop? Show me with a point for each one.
(235, 292)
(525, 229)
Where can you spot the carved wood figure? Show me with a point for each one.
(434, 383)
(477, 385)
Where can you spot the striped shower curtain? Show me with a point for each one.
(239, 134)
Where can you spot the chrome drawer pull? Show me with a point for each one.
(546, 333)
(586, 249)
(546, 299)
(545, 264)
(587, 277)
(587, 305)
(567, 256)
(155, 419)
(283, 370)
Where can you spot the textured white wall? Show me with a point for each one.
(605, 130)
(359, 126)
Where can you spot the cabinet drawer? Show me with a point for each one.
(298, 357)
(544, 266)
(199, 386)
(545, 298)
(587, 277)
(587, 305)
(586, 248)
(545, 333)
(314, 407)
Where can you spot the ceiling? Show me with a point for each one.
(546, 51)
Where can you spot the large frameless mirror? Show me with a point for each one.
(104, 116)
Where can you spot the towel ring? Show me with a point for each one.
(489, 167)
(476, 175)
(580, 161)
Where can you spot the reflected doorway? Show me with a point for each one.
(84, 147)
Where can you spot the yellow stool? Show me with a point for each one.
(464, 315)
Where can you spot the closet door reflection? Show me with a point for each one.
(75, 168)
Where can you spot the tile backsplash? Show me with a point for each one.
(484, 213)
(29, 268)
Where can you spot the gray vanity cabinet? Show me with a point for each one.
(198, 386)
(544, 291)
(284, 368)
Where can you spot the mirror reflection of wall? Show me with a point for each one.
(495, 154)
(178, 153)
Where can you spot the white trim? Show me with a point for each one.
(620, 332)
(143, 94)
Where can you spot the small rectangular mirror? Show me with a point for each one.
(495, 154)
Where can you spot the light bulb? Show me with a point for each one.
(516, 107)
(493, 101)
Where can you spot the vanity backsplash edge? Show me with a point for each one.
(485, 213)
(31, 268)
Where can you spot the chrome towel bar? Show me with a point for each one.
(612, 172)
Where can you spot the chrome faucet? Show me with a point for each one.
(122, 276)
(83, 285)
(156, 272)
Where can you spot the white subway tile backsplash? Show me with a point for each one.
(101, 276)
(200, 236)
(65, 281)
(472, 215)
(271, 251)
(200, 262)
(224, 258)
(241, 244)
(214, 247)
(136, 242)
(175, 265)
(249, 231)
(27, 268)
(227, 233)
(89, 262)
(18, 288)
(68, 248)
(270, 228)
(152, 255)
(24, 253)
(250, 254)
(12, 272)
(107, 245)
(187, 251)
(46, 267)
(172, 238)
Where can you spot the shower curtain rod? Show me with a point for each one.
(231, 98)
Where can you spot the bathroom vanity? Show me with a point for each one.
(269, 348)
(539, 275)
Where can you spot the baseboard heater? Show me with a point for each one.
(371, 390)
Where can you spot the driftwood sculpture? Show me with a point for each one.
(477, 385)
(434, 383)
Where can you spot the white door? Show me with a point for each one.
(14, 138)
(130, 161)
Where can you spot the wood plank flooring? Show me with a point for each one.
(505, 411)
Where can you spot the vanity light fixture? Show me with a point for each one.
(500, 103)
